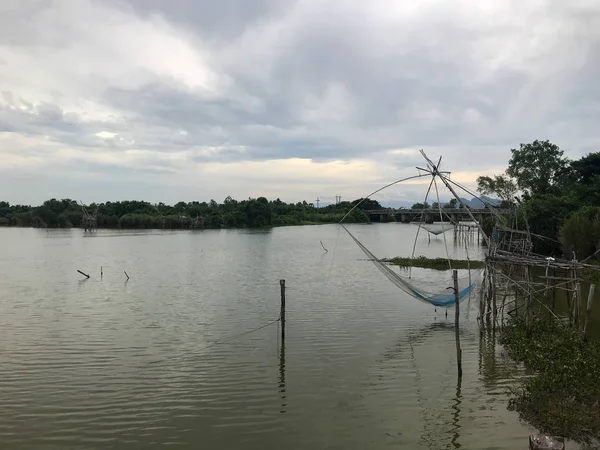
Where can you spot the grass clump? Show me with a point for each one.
(434, 263)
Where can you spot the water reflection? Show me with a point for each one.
(456, 415)
(282, 388)
(440, 416)
(98, 363)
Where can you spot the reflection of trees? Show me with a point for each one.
(421, 335)
(442, 417)
(491, 370)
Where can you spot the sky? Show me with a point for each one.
(197, 100)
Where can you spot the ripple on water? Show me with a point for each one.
(101, 363)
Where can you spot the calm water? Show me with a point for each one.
(110, 363)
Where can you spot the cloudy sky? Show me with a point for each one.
(196, 99)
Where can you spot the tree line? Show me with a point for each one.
(552, 196)
(254, 212)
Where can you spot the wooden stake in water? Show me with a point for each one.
(84, 274)
(456, 324)
(282, 313)
(578, 307)
(326, 251)
(494, 304)
(282, 388)
(588, 310)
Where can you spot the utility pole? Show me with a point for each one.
(318, 200)
(338, 199)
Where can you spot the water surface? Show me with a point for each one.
(109, 363)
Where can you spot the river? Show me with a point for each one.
(107, 362)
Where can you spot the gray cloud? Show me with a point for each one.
(195, 82)
(223, 20)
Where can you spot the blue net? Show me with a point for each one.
(443, 299)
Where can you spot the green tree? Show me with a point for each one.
(452, 204)
(581, 232)
(545, 215)
(424, 205)
(538, 167)
(585, 179)
(367, 204)
(258, 213)
(229, 203)
(501, 186)
(46, 215)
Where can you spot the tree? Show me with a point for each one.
(581, 232)
(420, 206)
(230, 204)
(585, 179)
(538, 168)
(587, 168)
(452, 204)
(545, 215)
(501, 186)
(180, 207)
(258, 212)
(367, 204)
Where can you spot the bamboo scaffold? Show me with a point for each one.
(525, 281)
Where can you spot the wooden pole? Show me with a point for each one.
(494, 304)
(84, 274)
(282, 388)
(578, 309)
(529, 311)
(588, 310)
(126, 275)
(574, 288)
(101, 272)
(490, 296)
(282, 313)
(553, 291)
(456, 323)
(482, 299)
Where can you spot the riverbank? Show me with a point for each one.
(562, 397)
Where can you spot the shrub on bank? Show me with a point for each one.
(563, 395)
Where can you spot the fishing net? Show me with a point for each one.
(436, 229)
(444, 299)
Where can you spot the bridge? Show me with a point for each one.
(429, 215)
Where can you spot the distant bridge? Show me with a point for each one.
(429, 215)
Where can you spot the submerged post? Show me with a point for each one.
(84, 274)
(282, 313)
(456, 325)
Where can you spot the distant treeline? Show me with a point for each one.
(256, 212)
